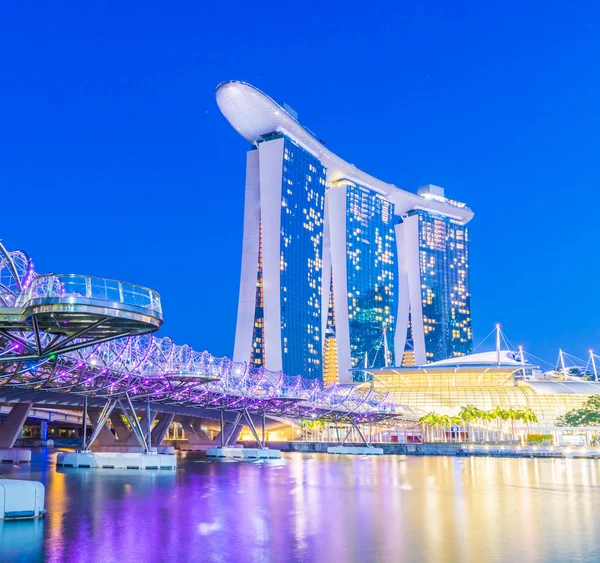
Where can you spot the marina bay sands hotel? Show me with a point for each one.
(340, 270)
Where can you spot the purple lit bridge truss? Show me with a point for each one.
(90, 337)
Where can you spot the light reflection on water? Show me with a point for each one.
(314, 507)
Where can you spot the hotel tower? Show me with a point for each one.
(340, 270)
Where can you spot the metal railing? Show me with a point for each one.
(72, 285)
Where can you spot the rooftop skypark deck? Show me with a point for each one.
(255, 115)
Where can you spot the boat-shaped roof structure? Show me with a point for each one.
(254, 115)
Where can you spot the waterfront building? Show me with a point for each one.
(437, 278)
(363, 269)
(485, 380)
(340, 270)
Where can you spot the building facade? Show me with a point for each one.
(364, 272)
(437, 287)
(486, 380)
(339, 269)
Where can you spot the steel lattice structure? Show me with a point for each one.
(90, 337)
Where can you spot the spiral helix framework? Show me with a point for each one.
(85, 336)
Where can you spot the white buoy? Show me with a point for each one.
(21, 499)
(115, 460)
(243, 453)
(15, 455)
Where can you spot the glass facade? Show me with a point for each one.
(445, 295)
(372, 283)
(408, 359)
(257, 353)
(302, 217)
(330, 361)
(371, 268)
(446, 390)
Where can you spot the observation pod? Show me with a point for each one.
(254, 115)
(74, 305)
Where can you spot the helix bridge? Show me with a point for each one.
(76, 337)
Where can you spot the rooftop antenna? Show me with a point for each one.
(594, 365)
(498, 344)
(386, 350)
(562, 363)
(522, 358)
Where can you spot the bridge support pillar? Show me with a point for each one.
(43, 430)
(105, 436)
(250, 422)
(231, 433)
(203, 435)
(13, 424)
(132, 438)
(361, 434)
(121, 429)
(191, 435)
(162, 426)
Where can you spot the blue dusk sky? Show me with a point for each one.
(115, 160)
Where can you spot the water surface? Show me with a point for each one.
(314, 507)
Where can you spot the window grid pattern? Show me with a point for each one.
(371, 267)
(301, 261)
(257, 353)
(330, 363)
(445, 294)
(447, 393)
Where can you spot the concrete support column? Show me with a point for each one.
(190, 434)
(233, 433)
(122, 430)
(44, 430)
(197, 428)
(132, 438)
(229, 430)
(160, 430)
(106, 437)
(12, 425)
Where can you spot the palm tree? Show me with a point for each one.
(429, 421)
(468, 414)
(487, 417)
(529, 416)
(512, 416)
(445, 421)
(456, 421)
(478, 414)
(502, 415)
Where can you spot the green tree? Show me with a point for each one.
(469, 414)
(456, 421)
(445, 422)
(513, 415)
(528, 416)
(586, 415)
(429, 422)
(498, 414)
(487, 417)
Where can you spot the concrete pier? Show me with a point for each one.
(21, 499)
(354, 450)
(530, 451)
(115, 460)
(12, 425)
(10, 429)
(15, 455)
(243, 453)
(167, 450)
